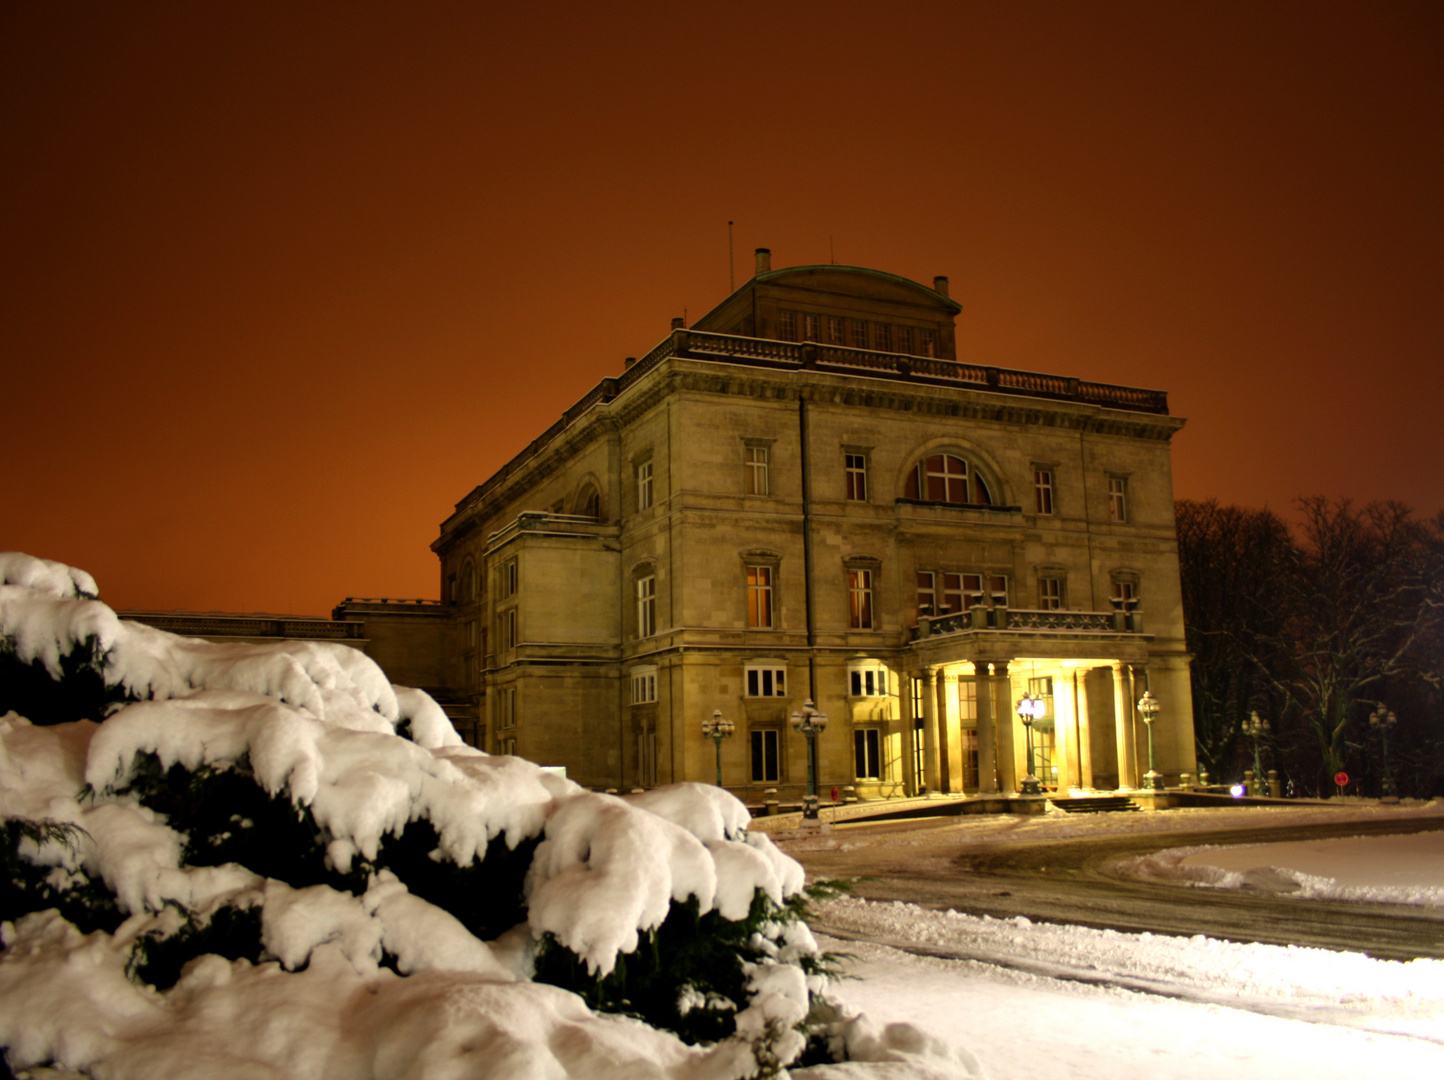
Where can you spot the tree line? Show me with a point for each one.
(1317, 627)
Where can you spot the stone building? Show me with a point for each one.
(806, 494)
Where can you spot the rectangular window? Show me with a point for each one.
(927, 593)
(764, 756)
(867, 680)
(859, 333)
(1125, 594)
(1117, 498)
(508, 747)
(855, 467)
(644, 485)
(998, 590)
(867, 753)
(905, 339)
(506, 708)
(811, 327)
(1050, 593)
(962, 591)
(756, 458)
(1043, 491)
(859, 588)
(927, 343)
(787, 325)
(766, 680)
(509, 579)
(646, 606)
(644, 686)
(759, 596)
(507, 629)
(834, 330)
(882, 337)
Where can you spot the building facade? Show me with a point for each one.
(806, 495)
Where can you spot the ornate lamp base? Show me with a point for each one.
(1153, 781)
(1031, 786)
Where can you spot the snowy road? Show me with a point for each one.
(1066, 871)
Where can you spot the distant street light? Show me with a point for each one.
(1148, 709)
(1382, 719)
(811, 722)
(717, 728)
(1030, 708)
(1255, 727)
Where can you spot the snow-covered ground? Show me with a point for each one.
(1021, 1000)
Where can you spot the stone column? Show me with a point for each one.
(930, 732)
(1066, 730)
(987, 741)
(1009, 743)
(1123, 725)
(912, 782)
(1085, 731)
(950, 754)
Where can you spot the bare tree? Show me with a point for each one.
(1232, 563)
(1357, 612)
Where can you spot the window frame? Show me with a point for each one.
(1124, 591)
(862, 614)
(854, 471)
(770, 679)
(1118, 498)
(509, 578)
(1045, 499)
(505, 708)
(646, 593)
(786, 325)
(644, 484)
(757, 468)
(758, 751)
(868, 679)
(507, 633)
(867, 743)
(761, 596)
(1056, 598)
(931, 467)
(644, 684)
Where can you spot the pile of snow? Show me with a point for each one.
(1407, 869)
(350, 981)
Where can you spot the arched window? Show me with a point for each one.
(947, 478)
(589, 503)
(468, 581)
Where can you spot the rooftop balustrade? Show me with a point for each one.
(838, 360)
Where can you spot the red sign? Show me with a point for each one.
(1341, 778)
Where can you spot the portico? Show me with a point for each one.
(969, 670)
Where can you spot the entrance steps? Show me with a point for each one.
(1095, 804)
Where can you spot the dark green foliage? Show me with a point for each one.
(226, 816)
(485, 896)
(232, 932)
(87, 904)
(79, 694)
(704, 954)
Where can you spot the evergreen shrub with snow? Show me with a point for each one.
(242, 860)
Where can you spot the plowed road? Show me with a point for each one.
(938, 864)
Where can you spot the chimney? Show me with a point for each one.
(764, 260)
(940, 284)
(628, 362)
(677, 322)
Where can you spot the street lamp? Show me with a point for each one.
(1148, 709)
(1030, 708)
(811, 722)
(718, 728)
(1255, 727)
(1382, 719)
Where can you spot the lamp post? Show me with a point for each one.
(717, 728)
(1030, 708)
(811, 722)
(1255, 727)
(1148, 709)
(1382, 719)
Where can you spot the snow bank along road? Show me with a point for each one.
(1067, 870)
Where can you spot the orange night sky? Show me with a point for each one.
(283, 282)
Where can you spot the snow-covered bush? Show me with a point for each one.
(242, 859)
